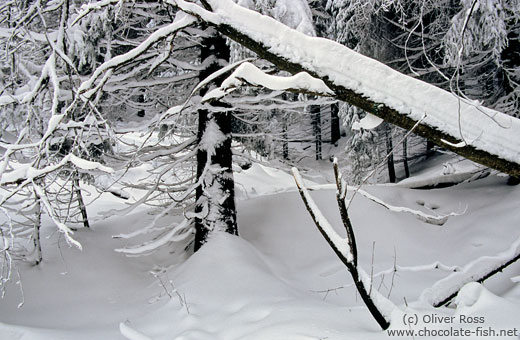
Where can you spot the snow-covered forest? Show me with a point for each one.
(259, 169)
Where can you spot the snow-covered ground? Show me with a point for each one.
(280, 279)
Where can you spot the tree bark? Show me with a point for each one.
(429, 148)
(405, 158)
(79, 197)
(316, 128)
(389, 152)
(214, 167)
(285, 142)
(36, 229)
(335, 133)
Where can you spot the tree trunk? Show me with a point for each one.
(36, 229)
(335, 133)
(429, 148)
(316, 128)
(79, 197)
(215, 196)
(405, 158)
(389, 152)
(285, 142)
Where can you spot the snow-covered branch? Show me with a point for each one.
(339, 244)
(379, 306)
(179, 23)
(439, 220)
(27, 173)
(249, 74)
(178, 233)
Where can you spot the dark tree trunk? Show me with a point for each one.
(335, 132)
(285, 142)
(429, 147)
(316, 128)
(79, 197)
(36, 229)
(390, 154)
(405, 158)
(216, 195)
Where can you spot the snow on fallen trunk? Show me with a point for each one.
(445, 290)
(490, 137)
(368, 122)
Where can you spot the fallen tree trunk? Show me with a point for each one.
(493, 144)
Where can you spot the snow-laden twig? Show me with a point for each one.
(420, 215)
(338, 243)
(380, 307)
(93, 6)
(150, 227)
(153, 189)
(5, 253)
(397, 269)
(175, 110)
(427, 218)
(66, 231)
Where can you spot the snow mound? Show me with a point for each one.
(469, 295)
(260, 180)
(476, 303)
(229, 292)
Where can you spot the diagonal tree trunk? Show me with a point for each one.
(285, 60)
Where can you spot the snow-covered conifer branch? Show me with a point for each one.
(181, 21)
(93, 6)
(426, 218)
(249, 74)
(175, 110)
(27, 173)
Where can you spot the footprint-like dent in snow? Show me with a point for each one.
(431, 206)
